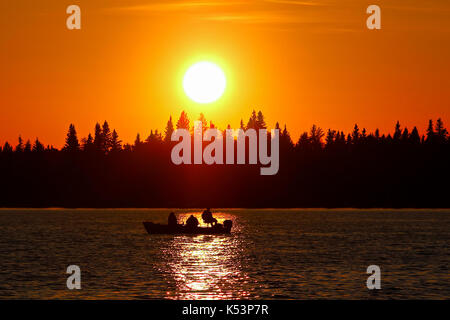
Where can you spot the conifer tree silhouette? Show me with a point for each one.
(106, 138)
(260, 121)
(252, 121)
(183, 121)
(430, 132)
(137, 142)
(440, 132)
(38, 146)
(98, 138)
(168, 131)
(20, 147)
(72, 143)
(414, 137)
(7, 148)
(397, 132)
(116, 144)
(88, 143)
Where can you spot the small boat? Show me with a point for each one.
(156, 228)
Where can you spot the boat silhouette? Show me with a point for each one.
(156, 228)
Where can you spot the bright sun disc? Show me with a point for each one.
(204, 82)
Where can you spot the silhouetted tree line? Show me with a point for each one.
(321, 169)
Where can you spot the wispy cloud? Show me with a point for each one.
(296, 3)
(250, 17)
(175, 6)
(216, 4)
(259, 17)
(285, 13)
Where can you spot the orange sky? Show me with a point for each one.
(300, 62)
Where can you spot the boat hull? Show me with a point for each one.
(155, 228)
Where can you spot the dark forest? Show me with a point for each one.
(324, 168)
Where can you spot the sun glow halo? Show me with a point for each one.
(204, 82)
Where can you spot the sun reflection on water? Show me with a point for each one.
(205, 266)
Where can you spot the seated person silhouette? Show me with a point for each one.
(172, 220)
(192, 222)
(208, 217)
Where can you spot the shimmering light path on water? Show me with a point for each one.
(272, 254)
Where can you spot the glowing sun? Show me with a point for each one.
(204, 82)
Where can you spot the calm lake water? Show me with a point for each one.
(272, 254)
